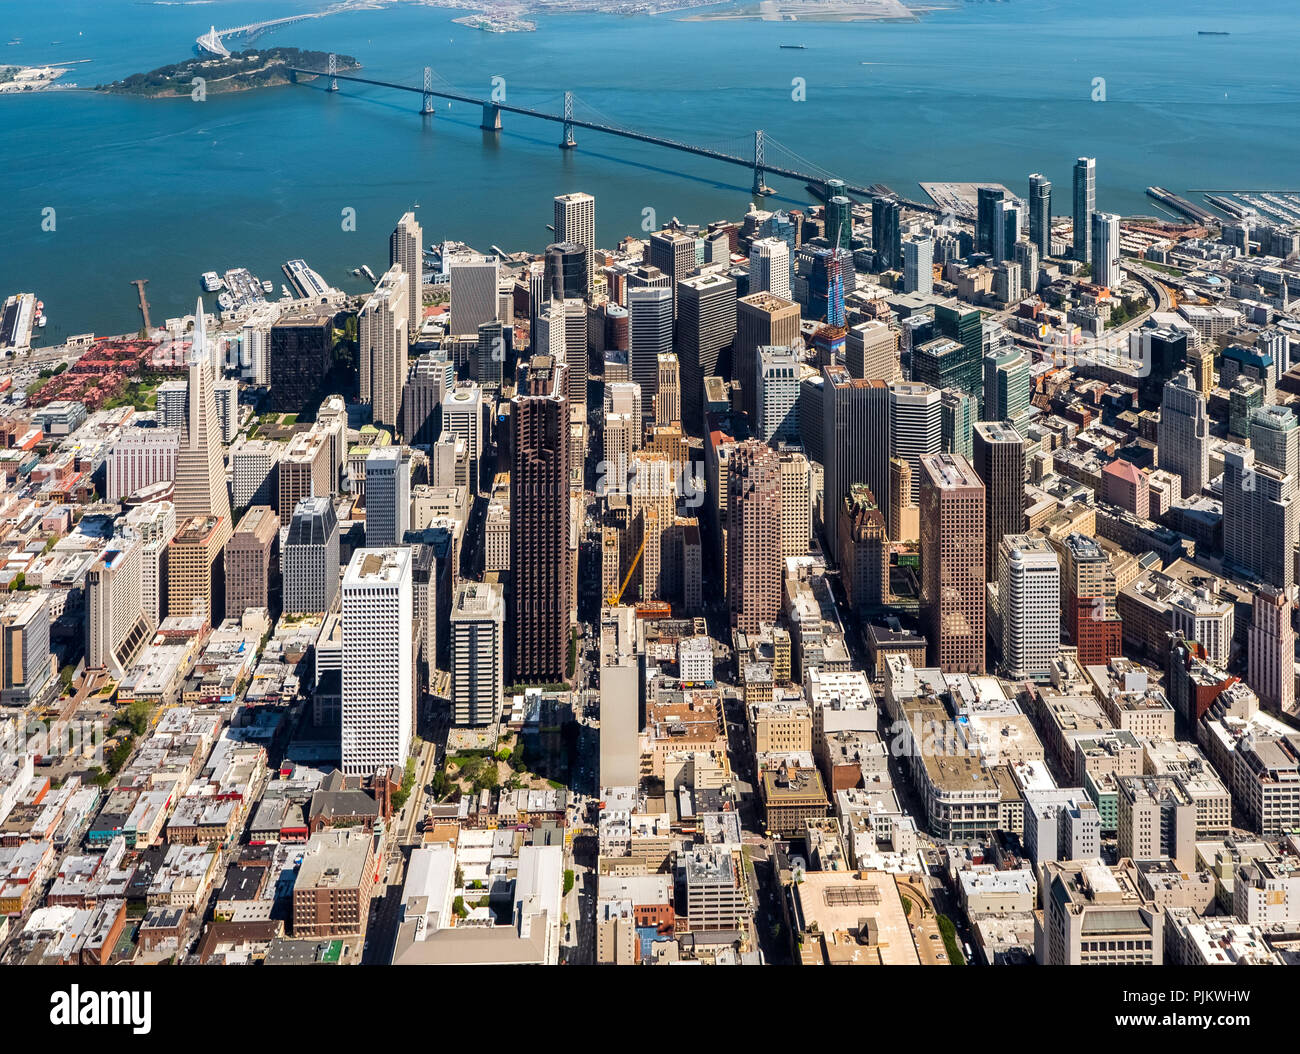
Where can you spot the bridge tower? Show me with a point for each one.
(568, 142)
(333, 72)
(491, 118)
(760, 188)
(426, 106)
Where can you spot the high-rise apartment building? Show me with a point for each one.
(1184, 434)
(575, 221)
(195, 569)
(1106, 250)
(378, 706)
(1085, 204)
(140, 458)
(952, 562)
(384, 333)
(117, 627)
(1040, 214)
(406, 251)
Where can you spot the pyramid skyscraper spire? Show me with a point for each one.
(200, 466)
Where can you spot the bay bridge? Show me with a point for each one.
(213, 41)
(762, 154)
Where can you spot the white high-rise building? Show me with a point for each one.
(769, 267)
(155, 525)
(477, 654)
(778, 391)
(200, 467)
(474, 279)
(575, 221)
(1105, 250)
(405, 251)
(918, 266)
(1029, 599)
(117, 628)
(252, 470)
(1184, 434)
(915, 427)
(384, 328)
(378, 707)
(141, 458)
(462, 416)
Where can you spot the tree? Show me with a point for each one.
(568, 882)
(486, 777)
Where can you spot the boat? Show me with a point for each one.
(267, 285)
(1212, 33)
(212, 282)
(224, 302)
(793, 47)
(41, 321)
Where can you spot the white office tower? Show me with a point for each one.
(200, 468)
(1184, 434)
(226, 395)
(769, 267)
(117, 628)
(575, 221)
(620, 699)
(649, 335)
(1105, 250)
(918, 266)
(378, 658)
(255, 346)
(141, 458)
(623, 397)
(406, 252)
(384, 328)
(474, 279)
(777, 381)
(1029, 599)
(478, 630)
(252, 472)
(155, 524)
(462, 416)
(388, 496)
(309, 560)
(915, 428)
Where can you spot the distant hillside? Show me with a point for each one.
(241, 71)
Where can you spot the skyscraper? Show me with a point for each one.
(1085, 204)
(253, 561)
(383, 331)
(754, 557)
(674, 253)
(668, 395)
(999, 460)
(1261, 517)
(915, 427)
(539, 523)
(195, 586)
(406, 251)
(478, 652)
(918, 264)
(1040, 214)
(462, 416)
(1026, 258)
(1105, 250)
(839, 222)
(1008, 217)
(1184, 434)
(1088, 592)
(958, 412)
(200, 468)
(762, 320)
(871, 351)
(388, 496)
(378, 706)
(1029, 605)
(886, 233)
(301, 345)
(649, 336)
(1275, 438)
(952, 563)
(769, 267)
(855, 441)
(117, 627)
(777, 382)
(704, 331)
(575, 221)
(987, 225)
(473, 279)
(566, 271)
(310, 561)
(1271, 649)
(1007, 386)
(865, 548)
(427, 384)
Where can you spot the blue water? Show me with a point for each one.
(167, 189)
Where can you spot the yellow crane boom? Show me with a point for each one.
(613, 598)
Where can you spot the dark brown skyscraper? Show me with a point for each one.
(539, 523)
(753, 535)
(998, 453)
(952, 562)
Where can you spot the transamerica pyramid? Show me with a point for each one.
(200, 466)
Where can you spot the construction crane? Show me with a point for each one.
(613, 598)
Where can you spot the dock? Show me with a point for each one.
(139, 284)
